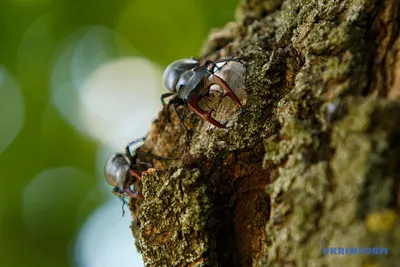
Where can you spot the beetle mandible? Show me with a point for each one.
(188, 81)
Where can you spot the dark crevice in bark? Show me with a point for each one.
(384, 174)
(383, 30)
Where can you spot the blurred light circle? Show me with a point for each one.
(96, 46)
(79, 56)
(120, 99)
(53, 195)
(12, 109)
(106, 239)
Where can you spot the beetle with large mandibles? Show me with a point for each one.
(121, 171)
(188, 81)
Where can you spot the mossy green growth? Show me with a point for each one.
(174, 217)
(345, 200)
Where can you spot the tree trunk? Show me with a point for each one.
(314, 160)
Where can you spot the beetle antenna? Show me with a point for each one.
(155, 156)
(148, 165)
(226, 62)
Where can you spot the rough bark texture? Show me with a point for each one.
(314, 160)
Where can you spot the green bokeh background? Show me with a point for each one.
(33, 33)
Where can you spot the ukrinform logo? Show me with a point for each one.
(354, 251)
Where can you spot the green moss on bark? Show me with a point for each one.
(314, 159)
(173, 218)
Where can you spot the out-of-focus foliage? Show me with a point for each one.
(48, 48)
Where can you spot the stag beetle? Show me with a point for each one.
(188, 81)
(121, 171)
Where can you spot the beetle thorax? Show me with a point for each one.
(190, 80)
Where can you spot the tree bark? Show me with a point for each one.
(314, 160)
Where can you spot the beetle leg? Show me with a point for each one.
(214, 79)
(193, 103)
(134, 142)
(123, 201)
(165, 96)
(183, 114)
(170, 102)
(154, 156)
(181, 117)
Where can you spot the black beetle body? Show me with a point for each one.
(189, 81)
(121, 172)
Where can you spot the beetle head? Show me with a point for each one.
(174, 71)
